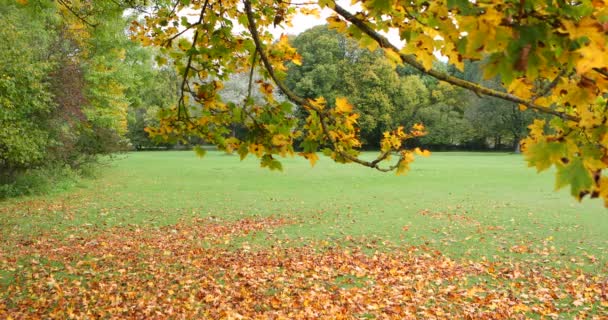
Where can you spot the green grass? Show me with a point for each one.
(467, 205)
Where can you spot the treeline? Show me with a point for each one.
(72, 87)
(388, 96)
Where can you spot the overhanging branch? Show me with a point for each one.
(411, 60)
(304, 103)
(181, 103)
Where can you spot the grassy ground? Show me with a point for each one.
(468, 206)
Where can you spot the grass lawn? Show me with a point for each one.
(482, 211)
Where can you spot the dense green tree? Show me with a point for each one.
(68, 75)
(385, 96)
(497, 122)
(148, 90)
(335, 66)
(25, 98)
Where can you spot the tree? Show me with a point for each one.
(496, 120)
(335, 66)
(25, 100)
(384, 96)
(63, 80)
(550, 57)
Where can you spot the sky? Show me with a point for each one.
(302, 23)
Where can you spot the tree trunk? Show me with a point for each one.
(516, 146)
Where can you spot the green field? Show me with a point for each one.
(468, 206)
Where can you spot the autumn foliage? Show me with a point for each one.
(200, 269)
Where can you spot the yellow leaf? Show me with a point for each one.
(537, 128)
(280, 140)
(453, 55)
(418, 126)
(404, 165)
(256, 149)
(422, 47)
(318, 103)
(266, 88)
(342, 106)
(427, 59)
(297, 59)
(283, 40)
(335, 22)
(310, 11)
(393, 56)
(368, 43)
(424, 153)
(520, 308)
(521, 88)
(592, 56)
(311, 156)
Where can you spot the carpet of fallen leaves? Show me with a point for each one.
(186, 271)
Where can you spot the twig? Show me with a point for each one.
(71, 10)
(550, 87)
(602, 72)
(181, 103)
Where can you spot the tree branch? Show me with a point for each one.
(303, 102)
(549, 87)
(250, 84)
(602, 72)
(181, 103)
(170, 39)
(411, 60)
(71, 10)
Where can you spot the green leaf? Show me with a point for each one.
(381, 5)
(184, 21)
(543, 154)
(464, 6)
(575, 175)
(309, 146)
(243, 150)
(271, 163)
(200, 152)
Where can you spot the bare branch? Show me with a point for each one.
(250, 85)
(169, 40)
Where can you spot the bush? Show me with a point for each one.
(43, 181)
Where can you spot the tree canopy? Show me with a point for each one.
(72, 87)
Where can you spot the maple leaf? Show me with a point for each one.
(544, 154)
(424, 153)
(200, 152)
(311, 157)
(297, 59)
(575, 175)
(342, 106)
(334, 22)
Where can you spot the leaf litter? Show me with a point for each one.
(200, 269)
